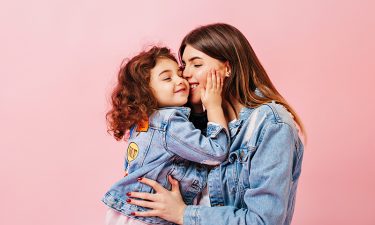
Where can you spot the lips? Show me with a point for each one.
(193, 86)
(180, 90)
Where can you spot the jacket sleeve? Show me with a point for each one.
(184, 140)
(270, 179)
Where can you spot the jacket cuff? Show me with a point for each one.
(191, 215)
(213, 129)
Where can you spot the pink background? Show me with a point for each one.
(58, 64)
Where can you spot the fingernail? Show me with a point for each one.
(128, 194)
(128, 200)
(139, 178)
(132, 213)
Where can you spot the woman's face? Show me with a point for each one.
(196, 66)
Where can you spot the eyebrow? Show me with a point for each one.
(192, 59)
(165, 71)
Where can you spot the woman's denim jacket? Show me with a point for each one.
(257, 183)
(164, 149)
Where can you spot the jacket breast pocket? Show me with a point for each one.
(239, 161)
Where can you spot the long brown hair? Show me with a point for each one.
(132, 99)
(226, 43)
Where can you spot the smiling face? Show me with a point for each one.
(196, 66)
(167, 83)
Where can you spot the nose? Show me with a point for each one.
(185, 73)
(179, 80)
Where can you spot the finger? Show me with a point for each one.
(218, 83)
(146, 213)
(142, 195)
(221, 83)
(174, 183)
(146, 204)
(209, 80)
(214, 84)
(155, 185)
(202, 92)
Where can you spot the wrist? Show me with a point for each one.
(181, 217)
(213, 108)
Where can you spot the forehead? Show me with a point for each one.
(191, 53)
(164, 64)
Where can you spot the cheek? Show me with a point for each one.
(201, 77)
(186, 83)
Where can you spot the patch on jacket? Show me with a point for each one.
(132, 151)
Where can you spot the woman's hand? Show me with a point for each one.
(211, 93)
(211, 98)
(165, 204)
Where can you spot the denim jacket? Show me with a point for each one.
(257, 183)
(170, 146)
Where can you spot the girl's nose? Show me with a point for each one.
(179, 80)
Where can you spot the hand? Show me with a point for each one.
(211, 94)
(165, 204)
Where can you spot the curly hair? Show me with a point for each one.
(132, 99)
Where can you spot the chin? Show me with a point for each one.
(195, 100)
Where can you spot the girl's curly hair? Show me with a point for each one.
(132, 99)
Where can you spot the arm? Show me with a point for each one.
(188, 142)
(184, 140)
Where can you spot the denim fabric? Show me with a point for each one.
(257, 183)
(170, 146)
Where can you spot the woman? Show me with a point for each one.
(257, 183)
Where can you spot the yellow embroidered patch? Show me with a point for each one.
(133, 151)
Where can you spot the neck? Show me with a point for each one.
(197, 108)
(231, 111)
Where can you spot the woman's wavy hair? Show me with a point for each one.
(132, 99)
(226, 43)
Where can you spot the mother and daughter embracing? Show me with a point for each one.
(209, 142)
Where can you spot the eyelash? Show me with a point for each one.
(197, 66)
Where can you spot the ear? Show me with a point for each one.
(228, 71)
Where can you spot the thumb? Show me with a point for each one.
(202, 92)
(174, 183)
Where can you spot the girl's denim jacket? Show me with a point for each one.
(170, 146)
(257, 183)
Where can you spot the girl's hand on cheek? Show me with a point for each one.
(165, 204)
(211, 94)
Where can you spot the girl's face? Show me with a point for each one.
(196, 66)
(167, 83)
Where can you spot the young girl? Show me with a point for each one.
(148, 101)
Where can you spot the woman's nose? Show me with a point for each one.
(186, 74)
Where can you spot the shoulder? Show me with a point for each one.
(170, 112)
(162, 117)
(273, 113)
(271, 116)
